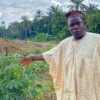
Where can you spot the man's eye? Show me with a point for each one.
(78, 23)
(72, 25)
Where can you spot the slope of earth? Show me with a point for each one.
(26, 46)
(8, 46)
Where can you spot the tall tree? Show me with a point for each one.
(2, 28)
(25, 19)
(14, 30)
(53, 10)
(77, 5)
(38, 16)
(92, 7)
(3, 23)
(57, 23)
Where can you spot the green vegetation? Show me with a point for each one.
(50, 27)
(18, 83)
(93, 22)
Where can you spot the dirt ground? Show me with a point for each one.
(15, 45)
(8, 46)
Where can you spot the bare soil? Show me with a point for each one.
(15, 45)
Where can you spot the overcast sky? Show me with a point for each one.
(12, 10)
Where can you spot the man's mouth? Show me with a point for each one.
(76, 31)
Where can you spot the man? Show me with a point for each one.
(75, 62)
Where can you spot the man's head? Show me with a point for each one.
(76, 23)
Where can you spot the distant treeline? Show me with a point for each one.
(52, 26)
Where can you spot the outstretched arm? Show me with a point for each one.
(37, 58)
(28, 59)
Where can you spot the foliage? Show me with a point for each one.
(92, 7)
(93, 22)
(25, 25)
(45, 37)
(58, 22)
(77, 5)
(54, 9)
(38, 14)
(20, 83)
(53, 24)
(64, 33)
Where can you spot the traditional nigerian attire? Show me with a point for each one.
(75, 68)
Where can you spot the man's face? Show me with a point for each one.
(76, 26)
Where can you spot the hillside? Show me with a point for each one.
(26, 46)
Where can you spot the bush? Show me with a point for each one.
(64, 33)
(18, 83)
(44, 37)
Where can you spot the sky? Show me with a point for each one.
(12, 10)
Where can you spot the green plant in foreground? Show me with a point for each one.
(18, 83)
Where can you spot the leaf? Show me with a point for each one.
(38, 85)
(15, 85)
(20, 84)
(32, 77)
(34, 92)
(40, 77)
(11, 85)
(6, 84)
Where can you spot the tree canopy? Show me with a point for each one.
(52, 26)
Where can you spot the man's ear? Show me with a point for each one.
(85, 24)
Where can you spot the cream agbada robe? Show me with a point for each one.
(75, 68)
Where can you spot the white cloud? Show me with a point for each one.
(0, 14)
(13, 10)
(96, 2)
(56, 2)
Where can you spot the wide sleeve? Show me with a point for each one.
(54, 58)
(98, 44)
(54, 52)
(48, 55)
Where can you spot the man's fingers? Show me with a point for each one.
(23, 61)
(26, 65)
(22, 65)
(20, 62)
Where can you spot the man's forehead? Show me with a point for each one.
(75, 18)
